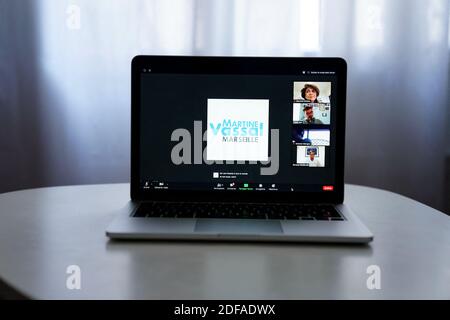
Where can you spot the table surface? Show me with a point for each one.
(43, 231)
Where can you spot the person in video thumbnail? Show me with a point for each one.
(298, 135)
(309, 116)
(312, 161)
(310, 92)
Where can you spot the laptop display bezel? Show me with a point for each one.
(245, 65)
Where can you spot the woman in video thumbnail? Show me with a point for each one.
(310, 92)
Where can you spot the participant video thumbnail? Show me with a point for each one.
(310, 156)
(311, 113)
(312, 137)
(312, 92)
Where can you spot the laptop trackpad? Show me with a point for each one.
(237, 226)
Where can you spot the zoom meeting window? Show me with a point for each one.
(227, 132)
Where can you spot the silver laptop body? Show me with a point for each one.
(278, 90)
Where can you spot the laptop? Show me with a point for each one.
(238, 148)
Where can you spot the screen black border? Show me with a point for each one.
(237, 65)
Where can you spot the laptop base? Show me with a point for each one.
(350, 230)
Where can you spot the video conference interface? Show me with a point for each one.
(216, 132)
(311, 123)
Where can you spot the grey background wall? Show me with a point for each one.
(64, 91)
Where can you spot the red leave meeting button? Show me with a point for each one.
(327, 188)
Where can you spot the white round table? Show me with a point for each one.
(43, 231)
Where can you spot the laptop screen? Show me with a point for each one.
(237, 131)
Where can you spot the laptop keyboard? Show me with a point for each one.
(279, 211)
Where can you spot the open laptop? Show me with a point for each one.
(238, 148)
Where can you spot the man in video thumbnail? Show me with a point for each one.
(298, 135)
(313, 162)
(309, 116)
